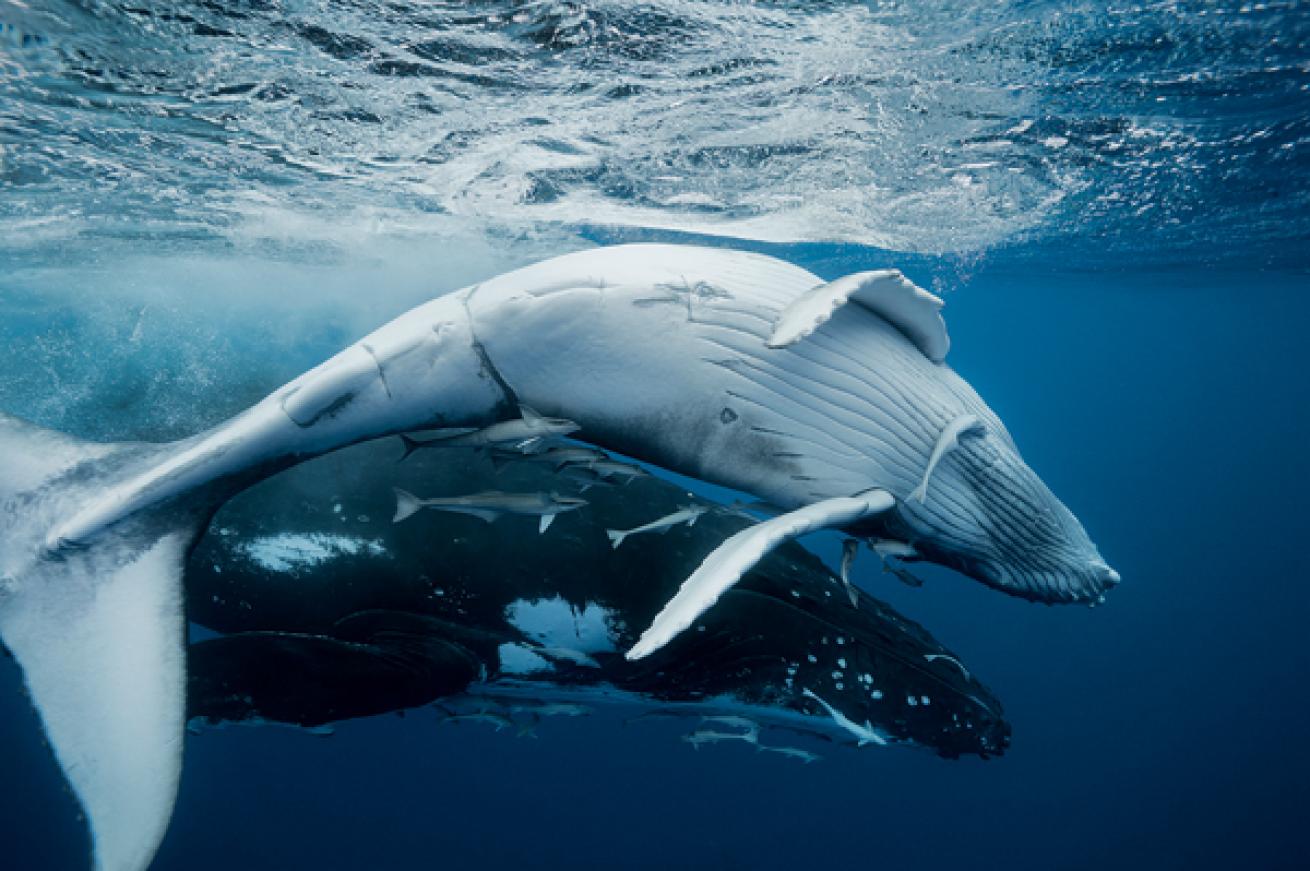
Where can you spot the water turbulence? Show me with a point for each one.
(924, 127)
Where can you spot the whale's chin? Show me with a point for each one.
(1083, 581)
(1086, 583)
(1068, 572)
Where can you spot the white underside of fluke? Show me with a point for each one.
(107, 673)
(736, 556)
(100, 636)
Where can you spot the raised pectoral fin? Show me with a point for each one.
(736, 556)
(913, 311)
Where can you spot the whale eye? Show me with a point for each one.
(727, 415)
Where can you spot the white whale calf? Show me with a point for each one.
(828, 400)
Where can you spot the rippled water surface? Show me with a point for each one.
(1160, 131)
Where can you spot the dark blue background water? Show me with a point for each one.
(1164, 730)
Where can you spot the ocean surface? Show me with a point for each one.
(200, 201)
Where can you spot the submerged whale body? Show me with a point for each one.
(830, 400)
(405, 614)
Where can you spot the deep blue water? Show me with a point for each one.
(168, 258)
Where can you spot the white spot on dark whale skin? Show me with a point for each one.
(727, 415)
(287, 552)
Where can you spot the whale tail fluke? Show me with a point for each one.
(98, 630)
(616, 537)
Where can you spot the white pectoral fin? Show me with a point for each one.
(100, 637)
(546, 521)
(736, 556)
(915, 312)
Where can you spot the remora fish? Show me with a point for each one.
(739, 369)
(734, 721)
(709, 736)
(793, 753)
(686, 515)
(625, 472)
(865, 734)
(554, 709)
(526, 432)
(559, 457)
(490, 505)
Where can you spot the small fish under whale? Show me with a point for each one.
(529, 431)
(489, 505)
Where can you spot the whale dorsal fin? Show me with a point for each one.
(885, 292)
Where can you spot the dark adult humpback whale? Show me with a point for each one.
(731, 367)
(495, 615)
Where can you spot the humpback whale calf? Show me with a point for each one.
(826, 399)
